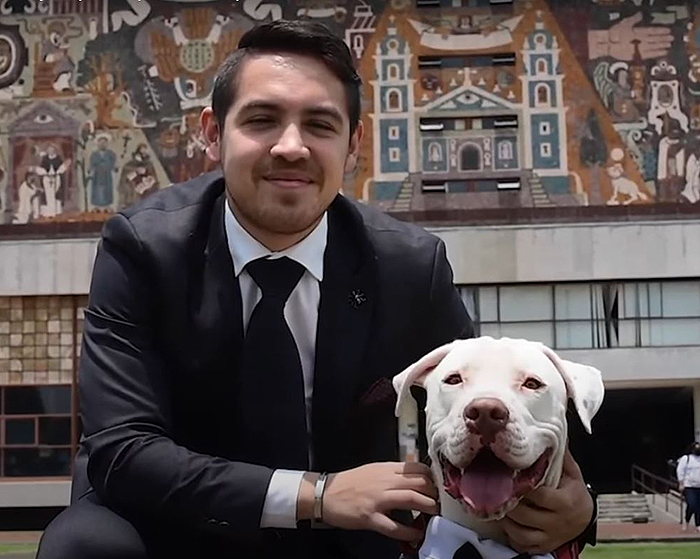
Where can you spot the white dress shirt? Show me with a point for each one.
(301, 314)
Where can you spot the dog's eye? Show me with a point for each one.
(532, 383)
(454, 378)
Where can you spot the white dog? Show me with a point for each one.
(496, 429)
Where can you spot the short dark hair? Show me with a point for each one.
(289, 36)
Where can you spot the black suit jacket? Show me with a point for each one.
(164, 429)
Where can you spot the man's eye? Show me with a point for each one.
(321, 125)
(454, 378)
(533, 384)
(260, 120)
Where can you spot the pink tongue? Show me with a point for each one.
(487, 483)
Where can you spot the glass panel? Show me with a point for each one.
(488, 304)
(526, 302)
(54, 430)
(19, 431)
(654, 295)
(572, 301)
(629, 333)
(681, 298)
(468, 296)
(574, 335)
(533, 331)
(37, 461)
(37, 400)
(675, 331)
(630, 301)
(641, 300)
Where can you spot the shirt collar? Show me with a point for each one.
(245, 248)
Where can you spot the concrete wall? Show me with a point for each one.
(649, 367)
(479, 255)
(35, 493)
(580, 252)
(46, 267)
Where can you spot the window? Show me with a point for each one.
(545, 128)
(470, 158)
(39, 340)
(435, 152)
(36, 430)
(394, 132)
(546, 149)
(433, 186)
(394, 155)
(541, 66)
(393, 71)
(542, 94)
(590, 315)
(505, 150)
(357, 42)
(393, 100)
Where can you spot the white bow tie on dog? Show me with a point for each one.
(495, 423)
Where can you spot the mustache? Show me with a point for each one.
(308, 168)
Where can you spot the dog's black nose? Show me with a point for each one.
(486, 416)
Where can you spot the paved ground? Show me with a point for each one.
(651, 531)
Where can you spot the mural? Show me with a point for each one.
(468, 104)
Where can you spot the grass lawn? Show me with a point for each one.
(17, 548)
(681, 550)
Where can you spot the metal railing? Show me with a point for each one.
(643, 481)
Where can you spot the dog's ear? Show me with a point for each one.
(584, 385)
(416, 373)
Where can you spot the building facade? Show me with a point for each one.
(552, 145)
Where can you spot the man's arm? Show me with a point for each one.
(134, 465)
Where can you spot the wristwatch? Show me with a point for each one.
(590, 534)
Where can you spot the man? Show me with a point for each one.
(194, 446)
(102, 164)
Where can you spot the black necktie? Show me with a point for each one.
(271, 372)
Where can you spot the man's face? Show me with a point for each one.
(286, 144)
(102, 143)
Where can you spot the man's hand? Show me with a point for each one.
(548, 518)
(360, 499)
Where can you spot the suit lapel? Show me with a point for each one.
(348, 294)
(217, 312)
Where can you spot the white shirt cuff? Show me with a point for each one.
(280, 508)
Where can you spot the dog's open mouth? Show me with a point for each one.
(488, 484)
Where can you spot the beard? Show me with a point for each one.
(281, 213)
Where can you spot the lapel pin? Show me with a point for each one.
(356, 298)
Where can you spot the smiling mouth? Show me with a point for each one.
(289, 182)
(488, 485)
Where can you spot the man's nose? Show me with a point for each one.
(290, 145)
(486, 416)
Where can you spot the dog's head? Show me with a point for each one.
(496, 417)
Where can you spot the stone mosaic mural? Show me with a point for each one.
(468, 104)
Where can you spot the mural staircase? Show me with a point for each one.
(539, 196)
(403, 200)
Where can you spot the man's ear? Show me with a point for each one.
(212, 134)
(354, 151)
